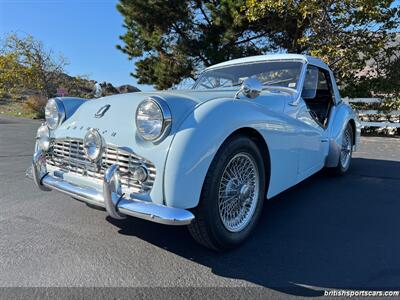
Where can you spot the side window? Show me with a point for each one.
(316, 83)
(310, 83)
(317, 94)
(324, 84)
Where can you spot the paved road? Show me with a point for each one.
(326, 232)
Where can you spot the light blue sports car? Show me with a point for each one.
(207, 157)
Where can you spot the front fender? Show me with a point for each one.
(200, 136)
(71, 104)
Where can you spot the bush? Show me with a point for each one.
(391, 103)
(36, 104)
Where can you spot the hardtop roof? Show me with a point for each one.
(259, 58)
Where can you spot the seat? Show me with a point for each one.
(320, 105)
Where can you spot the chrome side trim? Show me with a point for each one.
(116, 205)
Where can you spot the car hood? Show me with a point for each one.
(123, 108)
(120, 117)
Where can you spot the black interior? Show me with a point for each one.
(320, 105)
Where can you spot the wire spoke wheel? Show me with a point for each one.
(232, 194)
(238, 192)
(346, 148)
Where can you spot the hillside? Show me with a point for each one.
(30, 103)
(82, 87)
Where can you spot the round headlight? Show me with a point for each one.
(43, 138)
(92, 145)
(153, 119)
(54, 113)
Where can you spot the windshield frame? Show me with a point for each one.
(298, 83)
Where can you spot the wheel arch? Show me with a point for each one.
(262, 145)
(176, 177)
(353, 126)
(344, 115)
(199, 138)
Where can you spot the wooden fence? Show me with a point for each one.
(381, 119)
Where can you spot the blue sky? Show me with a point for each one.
(84, 31)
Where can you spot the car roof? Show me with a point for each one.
(259, 58)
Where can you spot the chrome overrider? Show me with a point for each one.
(111, 197)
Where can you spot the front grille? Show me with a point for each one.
(68, 156)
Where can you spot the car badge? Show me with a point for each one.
(100, 113)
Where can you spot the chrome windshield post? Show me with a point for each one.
(297, 98)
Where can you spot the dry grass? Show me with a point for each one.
(32, 109)
(36, 104)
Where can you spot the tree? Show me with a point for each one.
(380, 78)
(13, 75)
(173, 39)
(29, 65)
(356, 37)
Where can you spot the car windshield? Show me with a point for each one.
(272, 73)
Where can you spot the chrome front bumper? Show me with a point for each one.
(110, 198)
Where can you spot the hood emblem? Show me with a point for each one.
(101, 112)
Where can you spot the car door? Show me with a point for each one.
(311, 157)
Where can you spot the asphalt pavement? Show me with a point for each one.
(326, 232)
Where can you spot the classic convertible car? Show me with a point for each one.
(207, 157)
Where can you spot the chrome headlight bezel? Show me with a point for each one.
(97, 154)
(58, 114)
(165, 119)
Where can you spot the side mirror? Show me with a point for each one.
(251, 88)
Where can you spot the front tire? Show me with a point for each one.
(232, 196)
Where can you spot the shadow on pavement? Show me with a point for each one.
(326, 232)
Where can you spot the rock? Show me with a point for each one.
(108, 89)
(127, 88)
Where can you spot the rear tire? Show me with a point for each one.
(346, 152)
(232, 196)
